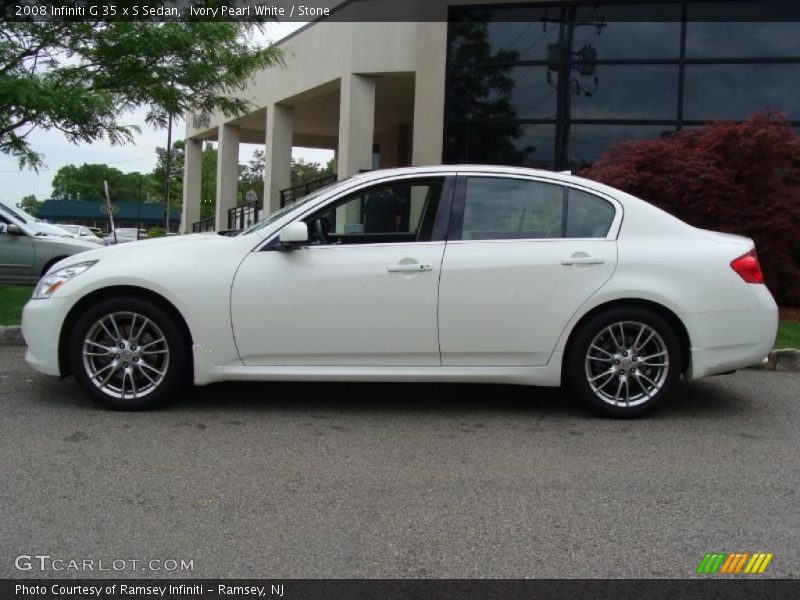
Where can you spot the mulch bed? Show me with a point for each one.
(790, 314)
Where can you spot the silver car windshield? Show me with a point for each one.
(298, 203)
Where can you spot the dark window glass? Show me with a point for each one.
(501, 144)
(588, 216)
(401, 211)
(729, 30)
(629, 32)
(626, 92)
(501, 93)
(736, 91)
(587, 143)
(503, 34)
(497, 208)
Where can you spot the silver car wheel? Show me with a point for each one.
(125, 355)
(627, 363)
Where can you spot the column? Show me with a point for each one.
(278, 152)
(192, 178)
(356, 125)
(227, 173)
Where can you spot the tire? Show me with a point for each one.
(128, 354)
(624, 362)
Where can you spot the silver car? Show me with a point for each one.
(80, 232)
(28, 249)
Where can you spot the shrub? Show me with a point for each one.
(154, 232)
(739, 178)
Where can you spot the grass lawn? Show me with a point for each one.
(788, 335)
(12, 299)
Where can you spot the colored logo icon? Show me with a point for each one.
(734, 562)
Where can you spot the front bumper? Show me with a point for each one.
(41, 328)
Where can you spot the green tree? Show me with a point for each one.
(208, 182)
(303, 172)
(30, 204)
(83, 77)
(86, 183)
(156, 183)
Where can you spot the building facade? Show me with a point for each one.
(543, 84)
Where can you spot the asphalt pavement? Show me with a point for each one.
(396, 480)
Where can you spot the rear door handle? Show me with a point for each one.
(582, 260)
(409, 267)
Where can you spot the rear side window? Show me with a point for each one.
(588, 216)
(502, 209)
(498, 208)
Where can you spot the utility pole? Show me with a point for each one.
(167, 173)
(139, 207)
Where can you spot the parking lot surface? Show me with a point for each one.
(368, 480)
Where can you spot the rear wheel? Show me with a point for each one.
(624, 362)
(128, 353)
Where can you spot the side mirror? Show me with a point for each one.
(293, 235)
(13, 229)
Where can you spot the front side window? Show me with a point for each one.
(398, 211)
(497, 208)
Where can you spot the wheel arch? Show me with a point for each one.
(114, 292)
(668, 315)
(50, 263)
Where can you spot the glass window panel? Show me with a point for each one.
(737, 91)
(626, 92)
(587, 143)
(758, 29)
(499, 209)
(510, 144)
(503, 34)
(634, 32)
(588, 216)
(501, 93)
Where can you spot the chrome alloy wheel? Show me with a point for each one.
(125, 355)
(627, 363)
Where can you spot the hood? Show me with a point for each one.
(65, 241)
(154, 247)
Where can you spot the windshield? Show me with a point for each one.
(16, 213)
(289, 207)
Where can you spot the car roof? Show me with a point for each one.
(561, 176)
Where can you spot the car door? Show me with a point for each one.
(16, 255)
(362, 292)
(522, 256)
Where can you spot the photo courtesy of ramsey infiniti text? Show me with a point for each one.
(456, 273)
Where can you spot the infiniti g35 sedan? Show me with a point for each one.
(456, 273)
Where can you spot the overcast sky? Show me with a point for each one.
(137, 156)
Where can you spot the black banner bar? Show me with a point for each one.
(383, 589)
(380, 10)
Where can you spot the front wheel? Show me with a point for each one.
(624, 362)
(128, 353)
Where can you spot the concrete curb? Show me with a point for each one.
(786, 359)
(11, 334)
(779, 360)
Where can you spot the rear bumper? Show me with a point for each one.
(729, 340)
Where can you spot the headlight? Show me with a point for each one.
(52, 281)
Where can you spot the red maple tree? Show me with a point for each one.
(741, 178)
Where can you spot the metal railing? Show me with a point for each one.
(203, 225)
(289, 195)
(244, 215)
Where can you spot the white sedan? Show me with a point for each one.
(456, 273)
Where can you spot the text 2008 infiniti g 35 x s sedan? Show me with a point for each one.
(470, 274)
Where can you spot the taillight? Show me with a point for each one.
(748, 268)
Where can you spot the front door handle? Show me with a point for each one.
(408, 267)
(582, 260)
